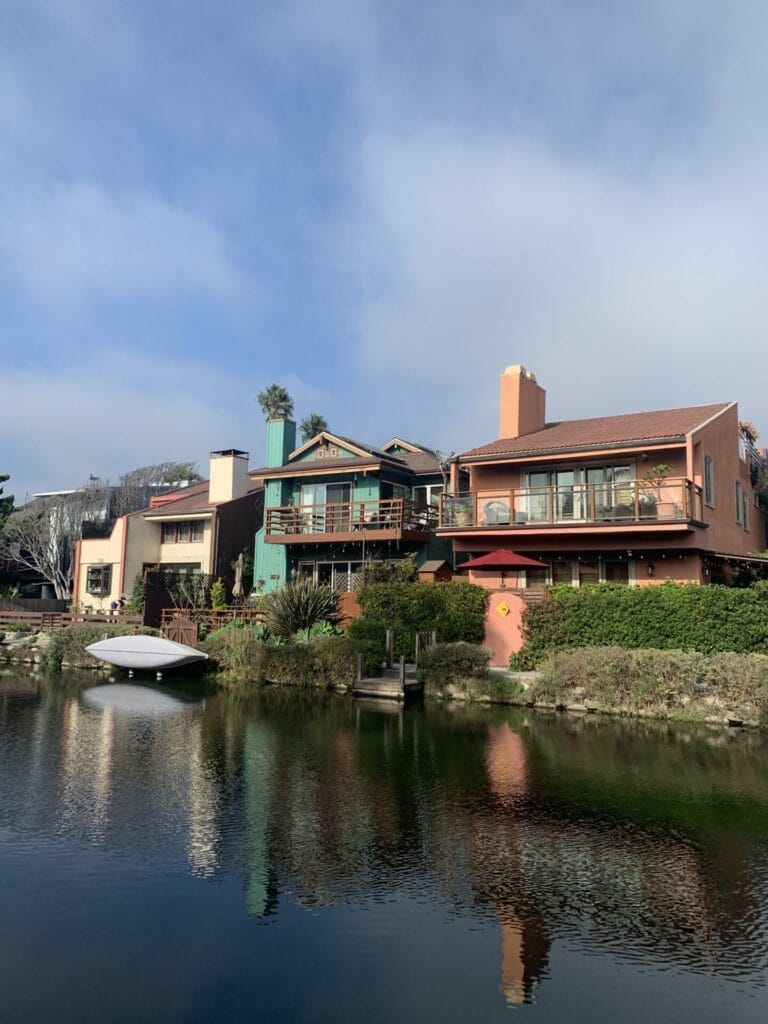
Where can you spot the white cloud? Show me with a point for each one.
(482, 251)
(81, 238)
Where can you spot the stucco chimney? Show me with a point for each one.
(521, 403)
(228, 475)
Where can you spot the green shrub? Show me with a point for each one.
(369, 638)
(298, 606)
(17, 627)
(218, 595)
(452, 665)
(323, 628)
(68, 645)
(136, 601)
(238, 650)
(504, 690)
(667, 617)
(656, 681)
(455, 611)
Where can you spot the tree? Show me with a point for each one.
(312, 425)
(42, 535)
(275, 402)
(134, 489)
(6, 503)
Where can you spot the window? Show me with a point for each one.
(745, 510)
(739, 504)
(99, 579)
(709, 481)
(426, 495)
(185, 532)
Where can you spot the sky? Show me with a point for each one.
(377, 204)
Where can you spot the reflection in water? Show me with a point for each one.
(643, 844)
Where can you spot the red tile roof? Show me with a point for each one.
(603, 431)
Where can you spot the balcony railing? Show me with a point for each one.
(352, 517)
(630, 501)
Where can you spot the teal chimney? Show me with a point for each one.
(281, 441)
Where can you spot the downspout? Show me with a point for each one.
(214, 544)
(76, 576)
(121, 588)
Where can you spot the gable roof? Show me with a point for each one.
(357, 447)
(409, 446)
(604, 431)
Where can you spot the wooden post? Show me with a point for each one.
(418, 646)
(402, 671)
(390, 647)
(434, 637)
(359, 668)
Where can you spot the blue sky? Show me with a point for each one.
(377, 204)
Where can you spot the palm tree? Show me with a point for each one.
(275, 402)
(312, 425)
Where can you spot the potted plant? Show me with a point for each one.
(654, 492)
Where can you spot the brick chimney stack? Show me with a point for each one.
(521, 404)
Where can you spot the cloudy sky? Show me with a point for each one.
(377, 203)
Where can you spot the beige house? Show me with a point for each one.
(197, 530)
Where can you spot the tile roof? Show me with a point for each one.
(664, 424)
(197, 502)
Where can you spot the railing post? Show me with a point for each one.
(402, 671)
(389, 644)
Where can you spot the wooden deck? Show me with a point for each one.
(394, 684)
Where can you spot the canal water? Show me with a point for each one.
(169, 854)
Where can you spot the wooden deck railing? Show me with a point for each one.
(629, 501)
(350, 517)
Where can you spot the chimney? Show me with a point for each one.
(522, 403)
(228, 475)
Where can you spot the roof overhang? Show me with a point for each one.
(173, 517)
(626, 447)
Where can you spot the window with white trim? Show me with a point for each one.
(739, 504)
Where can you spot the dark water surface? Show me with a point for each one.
(173, 855)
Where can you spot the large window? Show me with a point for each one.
(739, 505)
(709, 481)
(99, 579)
(187, 532)
(326, 507)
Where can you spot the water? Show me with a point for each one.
(169, 854)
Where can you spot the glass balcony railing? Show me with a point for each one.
(630, 501)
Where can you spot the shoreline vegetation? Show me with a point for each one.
(723, 688)
(671, 652)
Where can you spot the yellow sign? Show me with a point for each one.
(503, 608)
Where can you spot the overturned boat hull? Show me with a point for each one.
(148, 653)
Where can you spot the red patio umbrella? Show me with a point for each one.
(501, 560)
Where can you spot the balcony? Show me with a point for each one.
(674, 503)
(378, 520)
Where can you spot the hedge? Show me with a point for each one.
(676, 684)
(242, 657)
(670, 616)
(455, 611)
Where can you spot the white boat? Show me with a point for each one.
(153, 653)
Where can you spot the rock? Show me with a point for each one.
(578, 708)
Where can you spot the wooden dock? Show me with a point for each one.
(398, 683)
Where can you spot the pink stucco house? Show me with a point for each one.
(639, 498)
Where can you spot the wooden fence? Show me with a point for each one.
(59, 620)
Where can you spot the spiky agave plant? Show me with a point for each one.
(298, 606)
